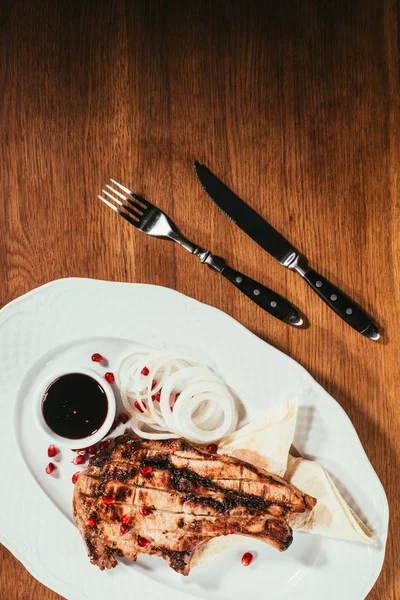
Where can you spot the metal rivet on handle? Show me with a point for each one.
(239, 279)
(256, 292)
(349, 311)
(333, 297)
(319, 284)
(273, 304)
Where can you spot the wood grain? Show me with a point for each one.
(295, 103)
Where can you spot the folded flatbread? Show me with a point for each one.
(265, 443)
(332, 516)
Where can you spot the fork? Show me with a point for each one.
(145, 216)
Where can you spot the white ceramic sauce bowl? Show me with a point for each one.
(38, 396)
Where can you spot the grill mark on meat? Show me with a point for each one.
(187, 481)
(91, 549)
(120, 472)
(182, 477)
(205, 504)
(115, 516)
(177, 559)
(274, 528)
(123, 474)
(189, 499)
(218, 463)
(100, 489)
(218, 506)
(123, 494)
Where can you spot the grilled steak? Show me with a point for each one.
(167, 497)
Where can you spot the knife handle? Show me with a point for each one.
(270, 301)
(340, 303)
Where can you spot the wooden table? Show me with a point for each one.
(294, 103)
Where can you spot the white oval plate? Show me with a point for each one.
(64, 322)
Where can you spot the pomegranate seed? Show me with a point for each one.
(211, 448)
(157, 397)
(108, 500)
(143, 542)
(75, 477)
(109, 377)
(123, 417)
(146, 470)
(96, 357)
(92, 450)
(153, 384)
(123, 529)
(50, 468)
(104, 444)
(79, 460)
(145, 371)
(91, 522)
(140, 409)
(144, 510)
(52, 451)
(82, 452)
(247, 558)
(126, 519)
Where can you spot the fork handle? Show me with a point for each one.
(270, 301)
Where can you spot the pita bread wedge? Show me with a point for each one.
(265, 442)
(332, 516)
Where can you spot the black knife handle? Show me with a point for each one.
(341, 304)
(270, 301)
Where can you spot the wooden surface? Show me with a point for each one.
(293, 103)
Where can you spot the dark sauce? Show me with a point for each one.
(75, 406)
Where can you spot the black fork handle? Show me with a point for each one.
(266, 298)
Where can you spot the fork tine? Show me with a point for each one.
(112, 197)
(144, 202)
(116, 192)
(108, 203)
(133, 211)
(121, 186)
(135, 204)
(140, 199)
(120, 212)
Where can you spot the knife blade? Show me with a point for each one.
(282, 250)
(245, 217)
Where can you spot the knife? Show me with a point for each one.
(275, 244)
